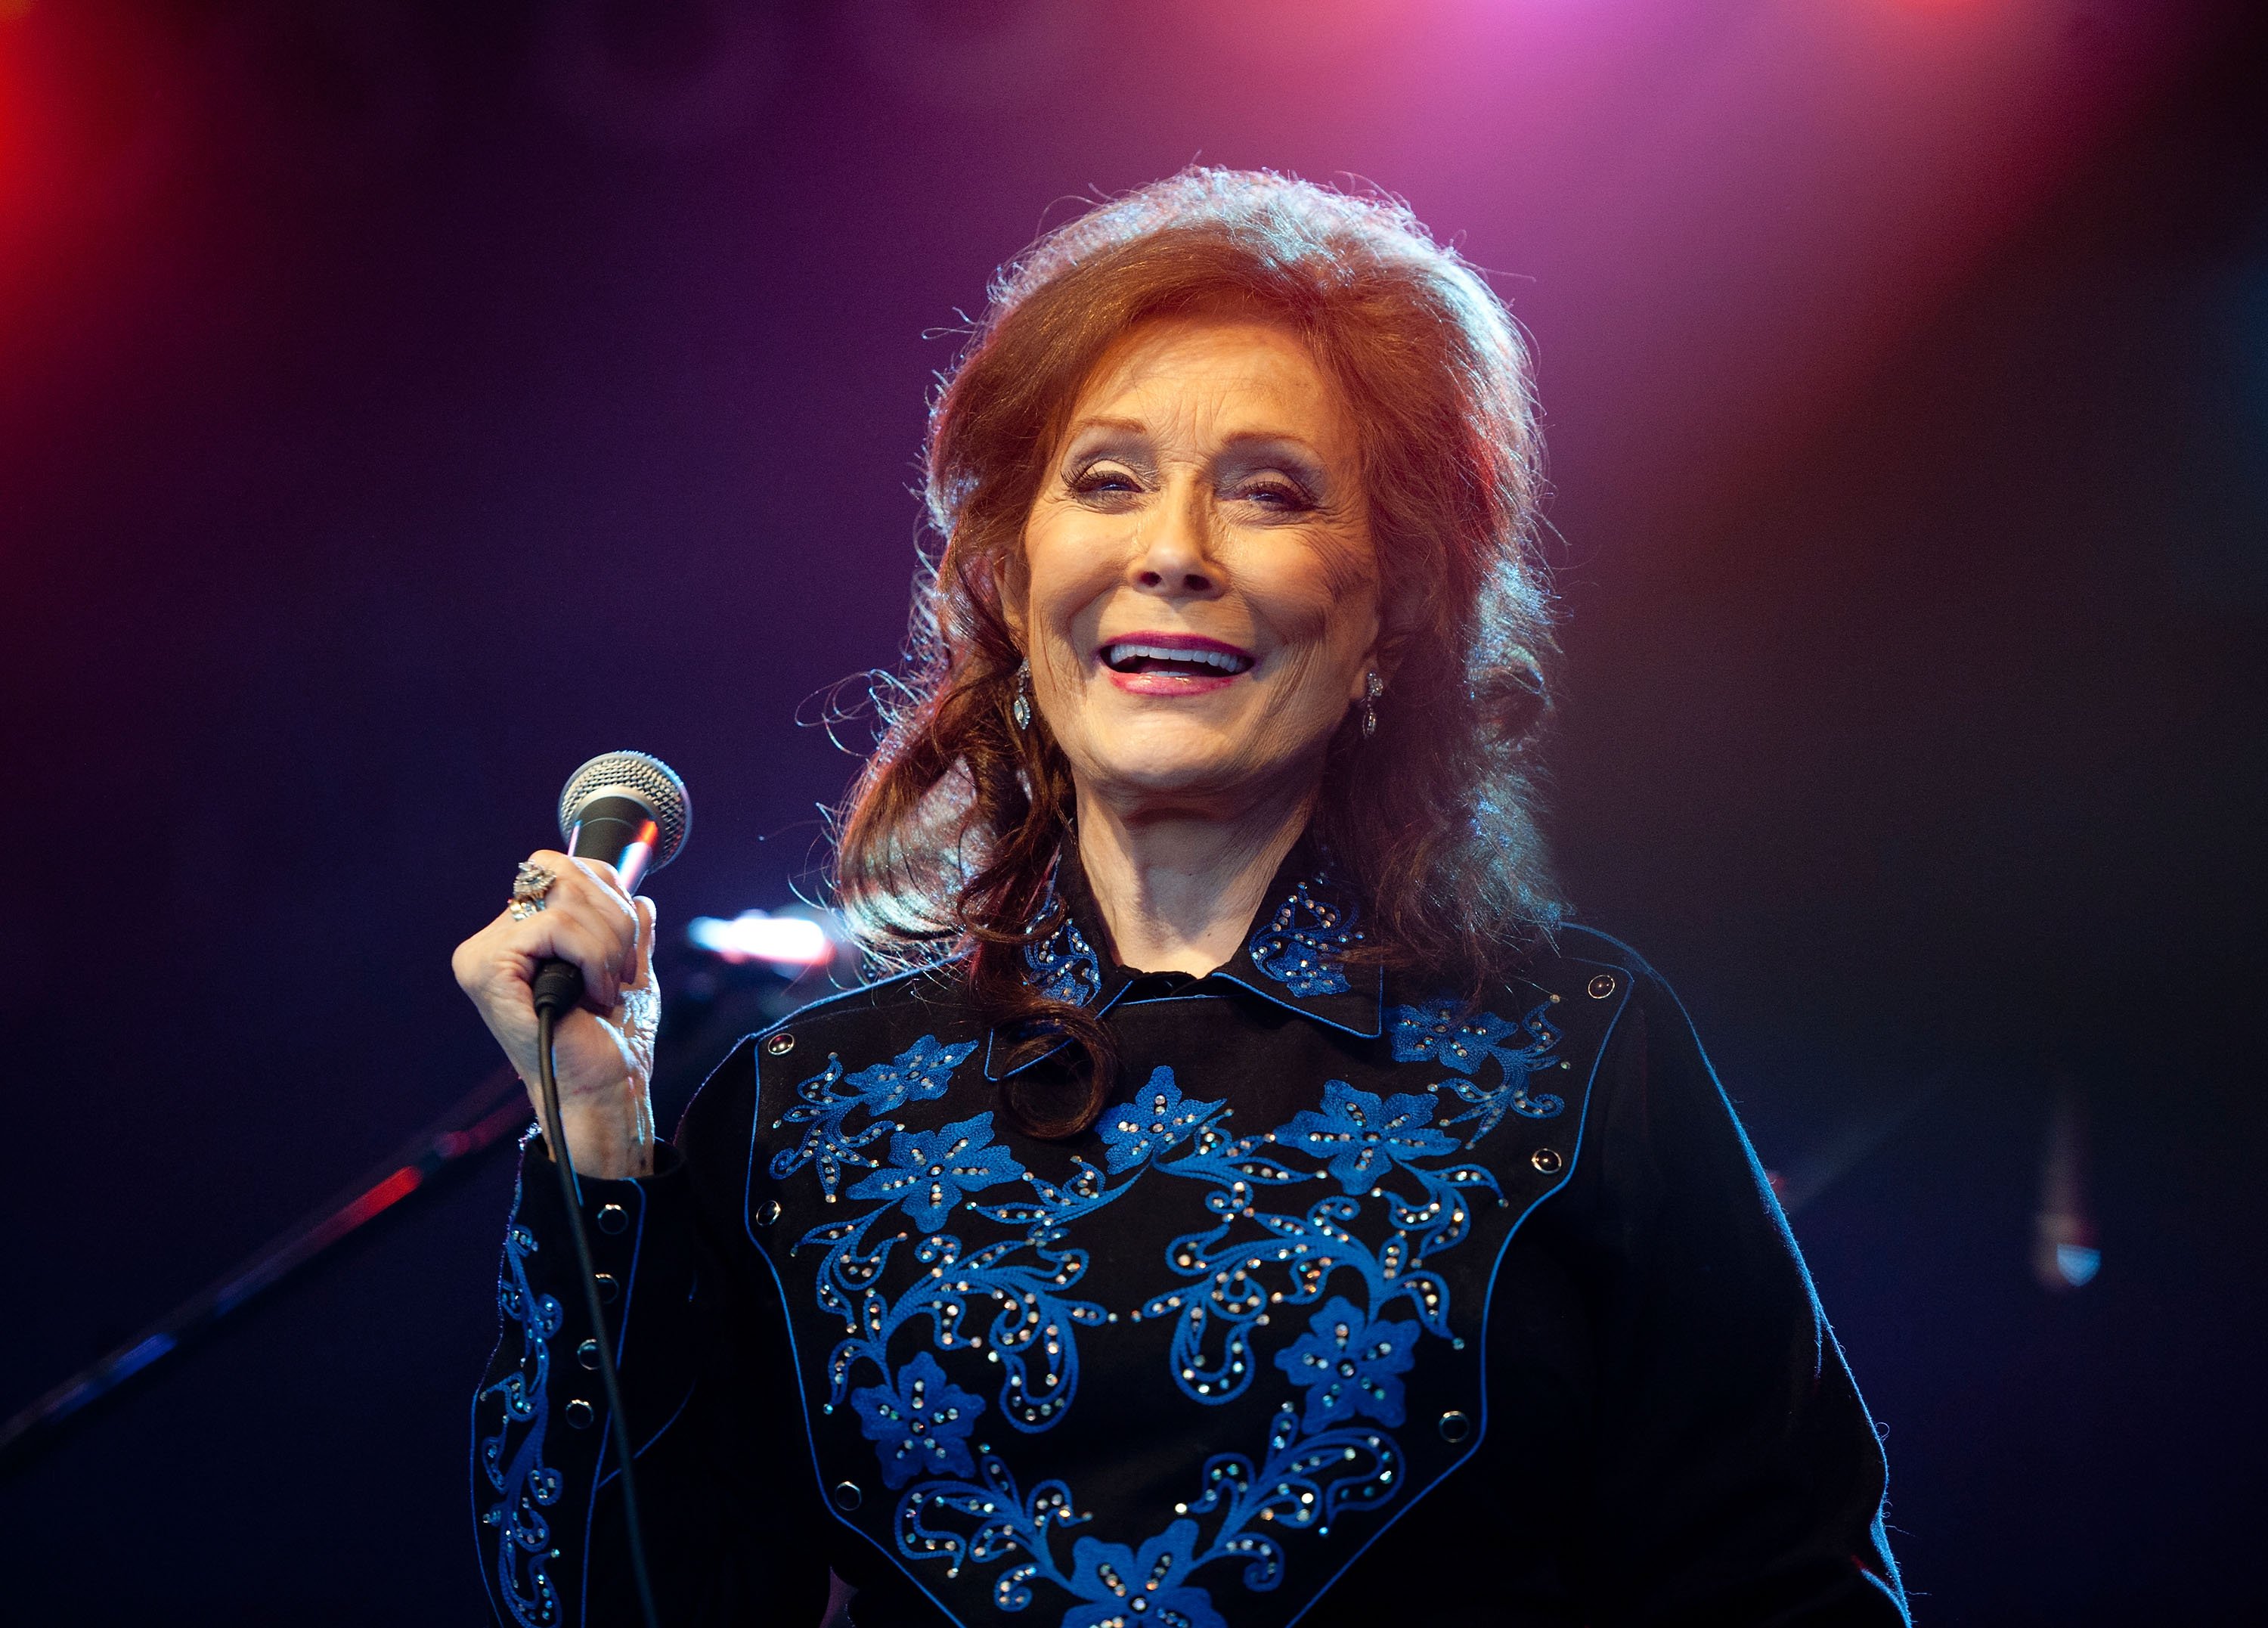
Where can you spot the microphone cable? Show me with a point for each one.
(549, 989)
(629, 808)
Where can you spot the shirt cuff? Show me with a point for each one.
(644, 1258)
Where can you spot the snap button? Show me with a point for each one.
(1548, 1160)
(1601, 986)
(767, 1213)
(847, 1495)
(1455, 1426)
(580, 1415)
(609, 1290)
(587, 1354)
(613, 1218)
(779, 1045)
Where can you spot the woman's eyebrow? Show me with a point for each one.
(1121, 426)
(1248, 448)
(1289, 441)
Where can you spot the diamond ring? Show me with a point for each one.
(528, 889)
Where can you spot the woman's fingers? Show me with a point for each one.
(637, 1015)
(597, 871)
(586, 919)
(646, 918)
(604, 1052)
(592, 881)
(598, 950)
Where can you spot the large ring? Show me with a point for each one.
(528, 889)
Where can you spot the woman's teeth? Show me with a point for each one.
(1129, 657)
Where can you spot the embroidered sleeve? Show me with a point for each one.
(541, 1454)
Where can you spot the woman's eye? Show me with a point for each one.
(1280, 495)
(1103, 481)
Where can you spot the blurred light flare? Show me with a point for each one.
(2065, 1253)
(783, 941)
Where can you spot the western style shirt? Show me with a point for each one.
(1358, 1303)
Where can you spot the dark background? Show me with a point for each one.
(400, 402)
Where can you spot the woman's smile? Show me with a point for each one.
(1172, 664)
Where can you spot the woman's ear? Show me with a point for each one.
(1389, 651)
(1015, 585)
(1383, 656)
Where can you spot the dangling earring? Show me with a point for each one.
(1020, 708)
(1372, 688)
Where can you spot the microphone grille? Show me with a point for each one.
(640, 775)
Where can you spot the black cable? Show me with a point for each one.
(556, 1136)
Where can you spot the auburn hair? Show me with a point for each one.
(947, 841)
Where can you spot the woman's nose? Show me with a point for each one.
(1175, 552)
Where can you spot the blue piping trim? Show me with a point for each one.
(1377, 1005)
(684, 1402)
(838, 998)
(1868, 1577)
(605, 1422)
(1488, 1305)
(473, 1475)
(795, 1357)
(991, 1035)
(630, 1284)
(1377, 1022)
(1893, 1587)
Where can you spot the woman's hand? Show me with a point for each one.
(603, 1052)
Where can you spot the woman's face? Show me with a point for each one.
(1199, 591)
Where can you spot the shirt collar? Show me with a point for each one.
(1292, 955)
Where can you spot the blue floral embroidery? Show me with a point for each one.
(524, 1485)
(930, 1170)
(1304, 943)
(960, 1504)
(1303, 1481)
(1258, 1259)
(1158, 1118)
(1363, 1137)
(1440, 1031)
(1350, 1365)
(1022, 1282)
(918, 1074)
(1125, 1587)
(1435, 1033)
(921, 1425)
(1064, 965)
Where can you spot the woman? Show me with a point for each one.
(1251, 1201)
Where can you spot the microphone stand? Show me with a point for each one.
(716, 1008)
(491, 1112)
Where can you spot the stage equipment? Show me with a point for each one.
(490, 1117)
(709, 1001)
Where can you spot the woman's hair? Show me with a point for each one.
(947, 842)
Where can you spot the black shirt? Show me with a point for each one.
(1354, 1302)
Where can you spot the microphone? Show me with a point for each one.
(631, 809)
